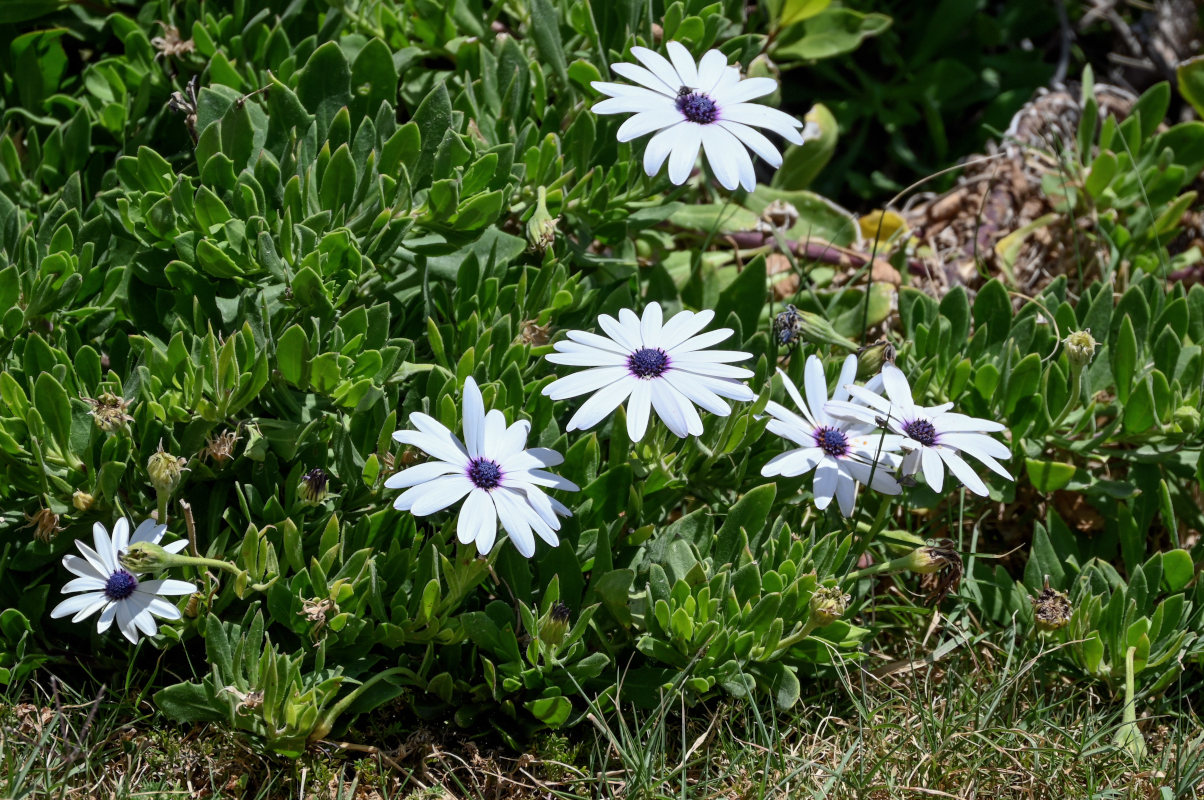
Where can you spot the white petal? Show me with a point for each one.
(439, 494)
(165, 586)
(176, 546)
(420, 473)
(683, 63)
(125, 621)
(934, 472)
(764, 117)
(546, 456)
(754, 140)
(993, 465)
(646, 122)
(698, 393)
(659, 66)
(598, 342)
(685, 152)
(877, 478)
(629, 339)
(148, 531)
(634, 72)
(104, 547)
(795, 429)
(747, 89)
(476, 516)
(827, 474)
(846, 494)
(638, 409)
(90, 566)
(911, 462)
(601, 403)
(627, 90)
(510, 512)
(713, 370)
(142, 618)
(121, 536)
(962, 471)
(510, 443)
(632, 104)
(582, 356)
(474, 418)
(848, 374)
(816, 387)
(658, 149)
(732, 390)
(73, 605)
(650, 325)
(434, 439)
(588, 380)
(897, 389)
(974, 443)
(720, 148)
(107, 615)
(667, 408)
(84, 584)
(959, 423)
(701, 341)
(539, 477)
(793, 462)
(163, 609)
(683, 325)
(710, 69)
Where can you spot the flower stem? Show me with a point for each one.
(1076, 381)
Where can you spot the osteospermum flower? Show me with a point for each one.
(493, 468)
(842, 452)
(117, 593)
(933, 437)
(697, 105)
(652, 366)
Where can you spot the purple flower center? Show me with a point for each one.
(922, 431)
(832, 441)
(696, 106)
(484, 473)
(120, 585)
(648, 362)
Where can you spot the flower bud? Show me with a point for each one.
(555, 625)
(1080, 347)
(313, 489)
(1051, 609)
(541, 227)
(82, 501)
(871, 358)
(147, 557)
(828, 604)
(164, 470)
(930, 558)
(1187, 418)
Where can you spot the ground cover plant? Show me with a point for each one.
(393, 391)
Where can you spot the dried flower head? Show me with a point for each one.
(541, 227)
(170, 44)
(534, 334)
(778, 216)
(318, 611)
(220, 448)
(1051, 609)
(45, 524)
(185, 103)
(941, 569)
(109, 411)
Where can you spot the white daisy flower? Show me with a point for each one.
(493, 467)
(933, 437)
(658, 366)
(114, 591)
(842, 452)
(697, 105)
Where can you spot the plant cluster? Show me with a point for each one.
(260, 263)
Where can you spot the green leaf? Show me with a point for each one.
(50, 399)
(1124, 360)
(545, 30)
(338, 181)
(745, 295)
(552, 711)
(802, 162)
(1190, 74)
(187, 702)
(751, 512)
(433, 118)
(1177, 570)
(1049, 476)
(323, 86)
(292, 355)
(834, 31)
(373, 79)
(789, 12)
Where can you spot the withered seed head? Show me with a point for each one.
(45, 524)
(109, 411)
(1051, 609)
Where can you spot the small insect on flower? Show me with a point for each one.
(492, 470)
(933, 437)
(120, 595)
(652, 365)
(695, 106)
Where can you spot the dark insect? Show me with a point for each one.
(788, 327)
(685, 91)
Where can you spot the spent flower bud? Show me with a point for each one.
(314, 487)
(1051, 609)
(871, 358)
(82, 501)
(1080, 347)
(828, 604)
(164, 470)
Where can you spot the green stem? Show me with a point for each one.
(1127, 735)
(326, 721)
(163, 498)
(894, 565)
(794, 638)
(1076, 381)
